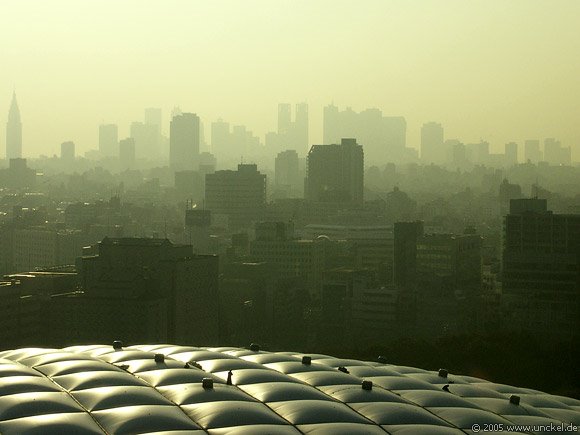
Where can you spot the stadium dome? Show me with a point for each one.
(218, 391)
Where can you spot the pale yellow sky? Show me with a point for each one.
(492, 69)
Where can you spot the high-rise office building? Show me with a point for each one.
(555, 153)
(532, 151)
(291, 134)
(541, 271)
(287, 173)
(67, 151)
(127, 153)
(240, 195)
(335, 173)
(147, 140)
(153, 117)
(108, 140)
(301, 127)
(284, 118)
(153, 120)
(14, 131)
(220, 137)
(184, 142)
(384, 137)
(432, 140)
(511, 154)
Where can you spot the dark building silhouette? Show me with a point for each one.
(240, 195)
(541, 271)
(108, 140)
(405, 236)
(14, 131)
(127, 153)
(449, 280)
(335, 173)
(432, 143)
(67, 151)
(176, 292)
(184, 141)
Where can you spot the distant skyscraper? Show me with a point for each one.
(432, 149)
(384, 137)
(14, 131)
(67, 151)
(108, 140)
(146, 138)
(184, 142)
(301, 127)
(335, 173)
(511, 154)
(532, 151)
(220, 137)
(555, 153)
(284, 118)
(127, 153)
(153, 117)
(287, 172)
(291, 135)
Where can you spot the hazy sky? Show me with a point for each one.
(500, 70)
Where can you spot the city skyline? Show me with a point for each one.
(488, 70)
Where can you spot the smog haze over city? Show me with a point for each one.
(342, 216)
(492, 70)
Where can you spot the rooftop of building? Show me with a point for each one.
(228, 390)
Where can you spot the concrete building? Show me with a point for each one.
(511, 154)
(67, 151)
(555, 153)
(171, 280)
(287, 177)
(335, 173)
(295, 258)
(184, 141)
(449, 284)
(532, 151)
(147, 140)
(127, 153)
(432, 143)
(240, 195)
(108, 140)
(541, 271)
(370, 247)
(384, 137)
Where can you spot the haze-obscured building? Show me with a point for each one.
(335, 173)
(108, 140)
(240, 195)
(184, 140)
(541, 271)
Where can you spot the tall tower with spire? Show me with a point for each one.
(14, 131)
